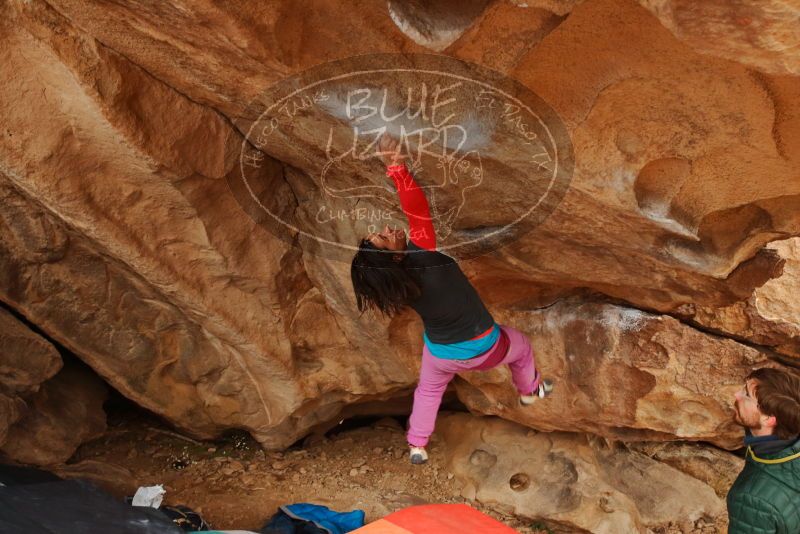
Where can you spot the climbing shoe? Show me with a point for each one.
(418, 455)
(543, 390)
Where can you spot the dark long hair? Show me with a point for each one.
(380, 282)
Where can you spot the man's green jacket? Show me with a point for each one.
(765, 499)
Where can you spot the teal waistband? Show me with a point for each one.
(463, 350)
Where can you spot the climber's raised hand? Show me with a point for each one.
(389, 150)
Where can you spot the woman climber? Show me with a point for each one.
(389, 273)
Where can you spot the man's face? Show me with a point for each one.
(746, 411)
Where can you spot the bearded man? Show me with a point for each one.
(765, 498)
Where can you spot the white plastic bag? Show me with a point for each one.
(149, 496)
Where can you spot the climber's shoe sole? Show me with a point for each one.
(418, 455)
(545, 388)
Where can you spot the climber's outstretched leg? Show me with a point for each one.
(436, 373)
(434, 376)
(521, 362)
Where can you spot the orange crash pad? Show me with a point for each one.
(436, 519)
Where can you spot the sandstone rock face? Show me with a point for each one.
(716, 468)
(762, 34)
(121, 239)
(216, 337)
(26, 360)
(46, 412)
(435, 25)
(680, 236)
(573, 482)
(622, 373)
(771, 316)
(65, 412)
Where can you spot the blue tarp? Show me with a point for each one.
(324, 519)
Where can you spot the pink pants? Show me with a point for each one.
(436, 373)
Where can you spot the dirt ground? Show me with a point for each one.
(234, 484)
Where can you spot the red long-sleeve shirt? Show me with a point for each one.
(415, 206)
(450, 308)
